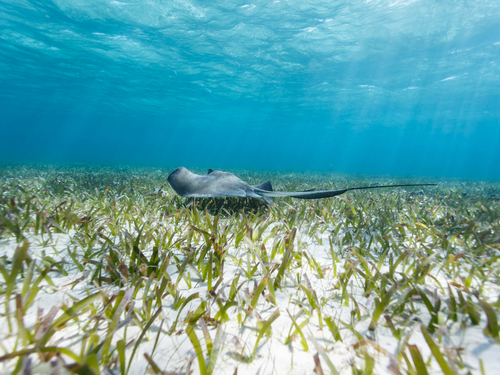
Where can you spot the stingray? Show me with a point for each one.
(219, 184)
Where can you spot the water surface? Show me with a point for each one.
(374, 87)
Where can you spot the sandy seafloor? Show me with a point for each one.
(273, 356)
(283, 350)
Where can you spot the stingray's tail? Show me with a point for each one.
(324, 193)
(267, 187)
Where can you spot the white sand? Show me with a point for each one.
(274, 356)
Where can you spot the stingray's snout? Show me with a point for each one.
(177, 179)
(175, 172)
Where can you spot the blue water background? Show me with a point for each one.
(373, 87)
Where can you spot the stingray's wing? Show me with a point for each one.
(324, 193)
(219, 194)
(217, 189)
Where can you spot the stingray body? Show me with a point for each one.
(218, 184)
(215, 184)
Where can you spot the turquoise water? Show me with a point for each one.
(374, 87)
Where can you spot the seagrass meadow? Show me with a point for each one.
(108, 271)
